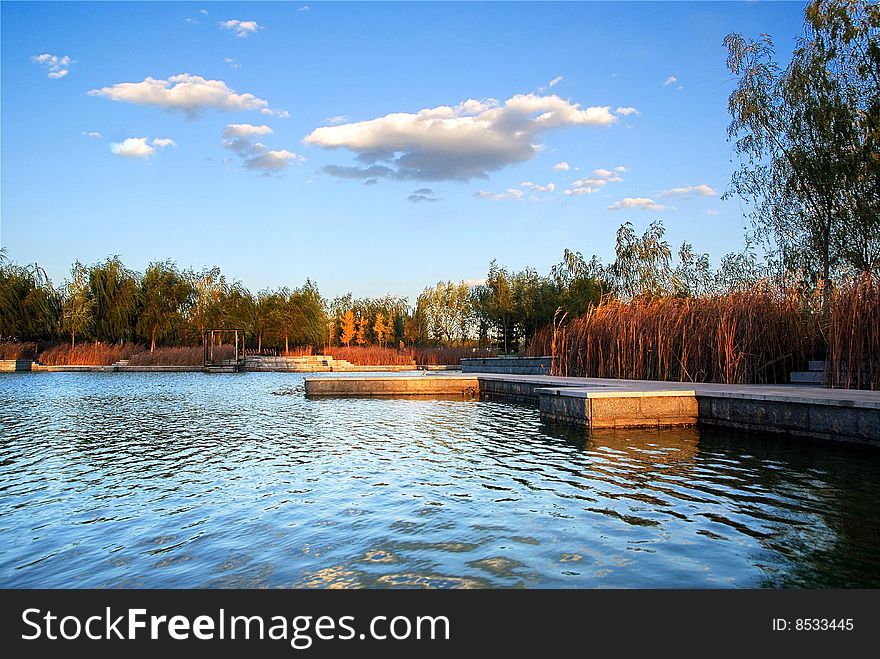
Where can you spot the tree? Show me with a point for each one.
(348, 327)
(164, 292)
(642, 265)
(29, 305)
(380, 329)
(78, 306)
(116, 295)
(360, 336)
(809, 140)
(265, 319)
(501, 305)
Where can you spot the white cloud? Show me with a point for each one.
(57, 66)
(711, 212)
(232, 63)
(241, 139)
(626, 111)
(132, 147)
(191, 21)
(671, 80)
(703, 190)
(91, 133)
(599, 179)
(203, 11)
(561, 167)
(511, 193)
(555, 81)
(338, 119)
(162, 142)
(578, 190)
(642, 203)
(281, 114)
(303, 8)
(534, 187)
(454, 143)
(190, 94)
(245, 130)
(242, 29)
(621, 169)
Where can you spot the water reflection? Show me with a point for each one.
(185, 480)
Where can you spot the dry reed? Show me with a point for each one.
(18, 350)
(90, 354)
(853, 335)
(753, 337)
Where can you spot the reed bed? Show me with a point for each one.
(371, 356)
(446, 355)
(755, 337)
(18, 350)
(180, 356)
(88, 354)
(853, 335)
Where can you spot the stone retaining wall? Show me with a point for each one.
(508, 365)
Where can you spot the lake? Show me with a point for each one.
(187, 480)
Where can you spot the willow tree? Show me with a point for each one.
(165, 293)
(115, 292)
(29, 304)
(808, 137)
(77, 310)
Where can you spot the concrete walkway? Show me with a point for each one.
(835, 414)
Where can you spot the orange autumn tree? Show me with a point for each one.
(348, 327)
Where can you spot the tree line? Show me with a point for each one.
(110, 303)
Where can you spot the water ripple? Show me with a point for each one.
(191, 480)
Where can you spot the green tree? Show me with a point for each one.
(30, 308)
(115, 293)
(809, 140)
(78, 306)
(164, 294)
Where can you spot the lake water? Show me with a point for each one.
(186, 480)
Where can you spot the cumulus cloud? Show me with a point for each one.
(456, 143)
(671, 80)
(303, 8)
(190, 94)
(256, 156)
(595, 182)
(162, 142)
(91, 133)
(561, 167)
(579, 188)
(625, 112)
(422, 194)
(281, 114)
(534, 187)
(511, 193)
(57, 66)
(641, 203)
(203, 11)
(132, 147)
(232, 63)
(242, 29)
(687, 190)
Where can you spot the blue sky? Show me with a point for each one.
(374, 147)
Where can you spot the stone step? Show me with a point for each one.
(808, 377)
